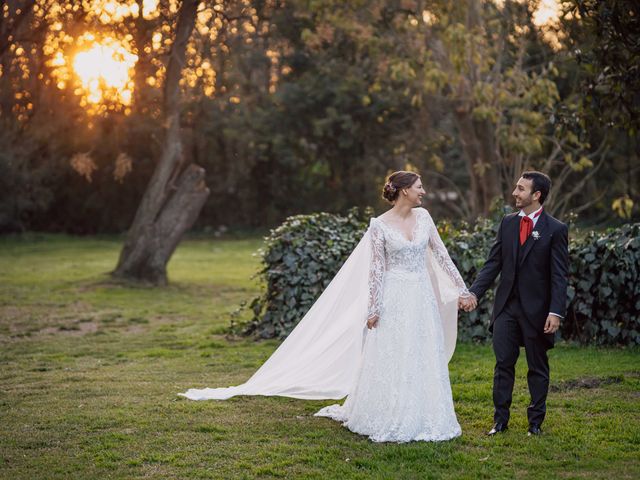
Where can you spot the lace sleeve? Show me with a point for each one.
(376, 270)
(442, 257)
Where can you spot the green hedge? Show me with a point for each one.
(468, 247)
(303, 254)
(604, 289)
(300, 258)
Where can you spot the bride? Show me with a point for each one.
(381, 333)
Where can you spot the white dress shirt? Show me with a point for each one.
(532, 216)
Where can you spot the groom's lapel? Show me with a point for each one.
(515, 238)
(528, 245)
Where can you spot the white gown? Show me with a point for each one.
(402, 390)
(395, 376)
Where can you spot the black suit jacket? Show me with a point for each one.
(541, 270)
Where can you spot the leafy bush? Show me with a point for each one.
(603, 299)
(604, 291)
(300, 258)
(305, 252)
(468, 248)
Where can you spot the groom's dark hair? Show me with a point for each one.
(540, 183)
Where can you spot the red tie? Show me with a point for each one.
(526, 227)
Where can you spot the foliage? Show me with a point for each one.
(317, 100)
(468, 247)
(304, 254)
(611, 61)
(300, 258)
(604, 43)
(603, 304)
(605, 288)
(23, 185)
(478, 60)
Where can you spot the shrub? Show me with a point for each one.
(604, 291)
(300, 258)
(303, 254)
(468, 248)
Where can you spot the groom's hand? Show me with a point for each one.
(468, 303)
(372, 322)
(473, 302)
(552, 324)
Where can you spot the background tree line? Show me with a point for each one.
(300, 106)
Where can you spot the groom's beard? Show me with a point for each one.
(523, 203)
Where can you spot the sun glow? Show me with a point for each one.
(547, 12)
(110, 11)
(545, 15)
(105, 71)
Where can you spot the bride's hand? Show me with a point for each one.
(468, 303)
(372, 322)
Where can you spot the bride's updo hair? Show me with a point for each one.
(396, 182)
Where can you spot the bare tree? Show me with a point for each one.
(177, 191)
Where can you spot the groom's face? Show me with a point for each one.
(523, 193)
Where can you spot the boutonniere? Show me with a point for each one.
(535, 234)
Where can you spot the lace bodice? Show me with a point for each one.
(392, 252)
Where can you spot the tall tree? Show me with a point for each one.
(177, 191)
(611, 59)
(607, 47)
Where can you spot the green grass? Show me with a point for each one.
(90, 368)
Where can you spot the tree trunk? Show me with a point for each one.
(483, 169)
(476, 137)
(175, 195)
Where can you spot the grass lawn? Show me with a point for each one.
(89, 371)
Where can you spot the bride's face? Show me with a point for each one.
(415, 193)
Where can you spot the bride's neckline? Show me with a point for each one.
(399, 232)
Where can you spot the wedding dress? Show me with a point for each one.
(395, 376)
(402, 391)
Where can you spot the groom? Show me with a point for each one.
(531, 255)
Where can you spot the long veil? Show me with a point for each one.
(320, 357)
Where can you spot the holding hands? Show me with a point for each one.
(468, 303)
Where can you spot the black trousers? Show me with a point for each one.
(510, 331)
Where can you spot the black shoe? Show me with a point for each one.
(534, 430)
(497, 428)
